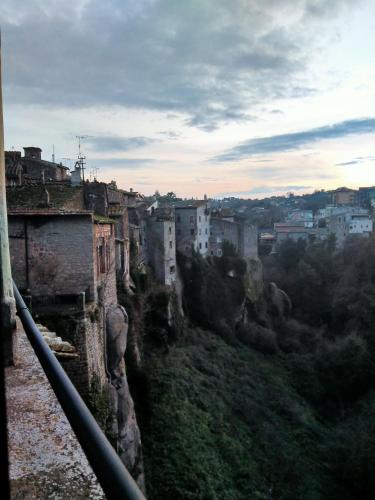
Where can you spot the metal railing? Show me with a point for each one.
(111, 473)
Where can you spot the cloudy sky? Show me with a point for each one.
(242, 97)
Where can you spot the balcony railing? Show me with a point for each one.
(111, 473)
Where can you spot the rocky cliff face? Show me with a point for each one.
(125, 431)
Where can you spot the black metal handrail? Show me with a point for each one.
(111, 473)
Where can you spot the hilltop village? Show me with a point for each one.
(78, 247)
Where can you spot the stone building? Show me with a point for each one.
(107, 200)
(293, 231)
(159, 242)
(13, 168)
(354, 222)
(300, 215)
(65, 261)
(31, 168)
(344, 196)
(193, 227)
(366, 197)
(226, 227)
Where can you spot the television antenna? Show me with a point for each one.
(80, 163)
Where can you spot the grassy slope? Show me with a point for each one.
(225, 423)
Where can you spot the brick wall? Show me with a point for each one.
(59, 251)
(105, 262)
(161, 249)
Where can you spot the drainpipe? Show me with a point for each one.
(7, 305)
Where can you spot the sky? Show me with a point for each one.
(247, 98)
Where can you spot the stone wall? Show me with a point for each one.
(84, 329)
(161, 249)
(223, 230)
(96, 197)
(52, 171)
(241, 234)
(193, 229)
(105, 263)
(52, 255)
(248, 240)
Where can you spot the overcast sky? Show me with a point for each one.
(240, 97)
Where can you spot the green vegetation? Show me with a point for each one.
(99, 405)
(225, 423)
(249, 403)
(61, 196)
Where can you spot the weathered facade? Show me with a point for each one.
(52, 252)
(352, 223)
(30, 168)
(293, 231)
(344, 196)
(109, 202)
(193, 227)
(237, 231)
(65, 262)
(160, 244)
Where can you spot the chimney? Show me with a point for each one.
(33, 153)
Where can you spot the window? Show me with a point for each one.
(206, 245)
(172, 269)
(101, 259)
(206, 231)
(170, 229)
(219, 252)
(199, 218)
(200, 231)
(200, 246)
(171, 244)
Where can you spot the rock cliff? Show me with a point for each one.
(125, 431)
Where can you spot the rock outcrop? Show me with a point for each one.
(279, 304)
(126, 434)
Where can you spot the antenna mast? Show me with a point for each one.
(81, 158)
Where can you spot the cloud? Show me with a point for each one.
(117, 143)
(355, 161)
(121, 163)
(207, 62)
(170, 134)
(296, 140)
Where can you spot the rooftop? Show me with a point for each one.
(60, 196)
(189, 204)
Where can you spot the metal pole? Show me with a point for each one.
(7, 305)
(112, 475)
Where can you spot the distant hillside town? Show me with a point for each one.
(81, 233)
(79, 246)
